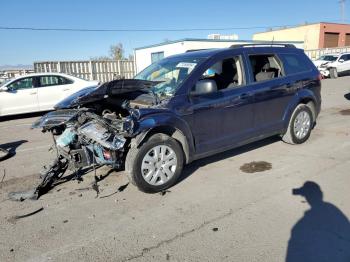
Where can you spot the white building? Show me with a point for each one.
(147, 55)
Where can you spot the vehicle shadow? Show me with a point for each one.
(347, 96)
(12, 146)
(194, 166)
(322, 234)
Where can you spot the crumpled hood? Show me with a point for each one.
(113, 88)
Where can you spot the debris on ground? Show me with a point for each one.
(120, 189)
(23, 195)
(253, 167)
(162, 193)
(65, 221)
(13, 219)
(52, 174)
(215, 229)
(95, 187)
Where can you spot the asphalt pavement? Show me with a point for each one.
(219, 211)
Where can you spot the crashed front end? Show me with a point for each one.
(82, 139)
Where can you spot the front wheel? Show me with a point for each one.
(300, 125)
(333, 73)
(156, 164)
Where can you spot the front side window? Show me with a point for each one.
(265, 67)
(345, 57)
(54, 81)
(226, 73)
(24, 83)
(170, 73)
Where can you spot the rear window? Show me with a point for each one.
(294, 63)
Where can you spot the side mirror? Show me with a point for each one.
(4, 89)
(204, 86)
(341, 61)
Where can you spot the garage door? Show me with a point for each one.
(347, 40)
(331, 39)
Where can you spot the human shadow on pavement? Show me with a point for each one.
(194, 166)
(11, 147)
(322, 234)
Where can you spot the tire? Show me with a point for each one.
(292, 136)
(163, 173)
(333, 73)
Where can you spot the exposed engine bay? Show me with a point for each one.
(82, 139)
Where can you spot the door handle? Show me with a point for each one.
(33, 93)
(66, 89)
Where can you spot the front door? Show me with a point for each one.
(223, 118)
(344, 65)
(21, 97)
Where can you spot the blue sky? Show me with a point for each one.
(25, 47)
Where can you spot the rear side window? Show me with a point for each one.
(294, 63)
(265, 67)
(53, 81)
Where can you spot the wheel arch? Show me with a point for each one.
(306, 98)
(168, 125)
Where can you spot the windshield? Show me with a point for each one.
(330, 58)
(170, 72)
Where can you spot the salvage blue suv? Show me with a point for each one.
(183, 108)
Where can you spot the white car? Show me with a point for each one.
(38, 92)
(332, 65)
(328, 58)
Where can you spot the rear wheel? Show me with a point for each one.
(300, 125)
(156, 164)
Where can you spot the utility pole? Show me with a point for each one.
(342, 10)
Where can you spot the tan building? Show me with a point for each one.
(314, 36)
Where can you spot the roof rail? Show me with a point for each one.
(261, 45)
(195, 50)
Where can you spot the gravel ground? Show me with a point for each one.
(217, 212)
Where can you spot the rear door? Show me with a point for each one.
(21, 97)
(52, 89)
(272, 91)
